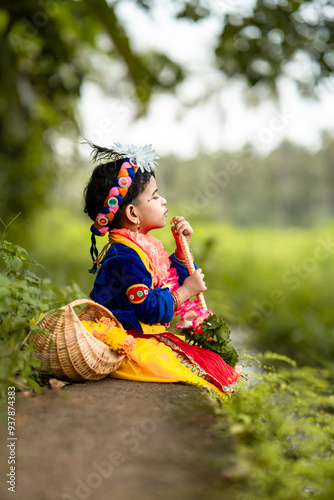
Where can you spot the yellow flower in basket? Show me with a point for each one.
(115, 338)
(107, 332)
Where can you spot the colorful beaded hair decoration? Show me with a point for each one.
(115, 197)
(141, 157)
(135, 158)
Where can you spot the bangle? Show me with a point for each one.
(176, 299)
(182, 261)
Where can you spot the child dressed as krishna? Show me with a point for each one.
(137, 280)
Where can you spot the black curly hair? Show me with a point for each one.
(100, 183)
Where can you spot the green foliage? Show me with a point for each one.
(258, 42)
(50, 48)
(24, 297)
(47, 50)
(281, 426)
(215, 336)
(272, 286)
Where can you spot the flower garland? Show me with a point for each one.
(106, 331)
(163, 274)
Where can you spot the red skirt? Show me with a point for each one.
(205, 363)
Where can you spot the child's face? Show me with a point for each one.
(151, 208)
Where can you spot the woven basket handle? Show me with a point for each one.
(69, 309)
(80, 302)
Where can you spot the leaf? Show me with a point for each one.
(16, 264)
(31, 277)
(4, 292)
(33, 383)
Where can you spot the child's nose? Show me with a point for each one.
(163, 201)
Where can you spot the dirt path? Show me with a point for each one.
(114, 439)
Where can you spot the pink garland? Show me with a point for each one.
(155, 252)
(192, 309)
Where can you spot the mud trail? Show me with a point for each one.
(115, 439)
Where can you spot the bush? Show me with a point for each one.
(282, 429)
(24, 298)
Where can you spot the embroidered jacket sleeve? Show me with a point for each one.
(181, 269)
(124, 285)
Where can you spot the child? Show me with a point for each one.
(137, 280)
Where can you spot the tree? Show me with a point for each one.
(261, 43)
(47, 48)
(45, 55)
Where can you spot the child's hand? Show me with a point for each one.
(181, 226)
(195, 284)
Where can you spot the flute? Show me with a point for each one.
(190, 264)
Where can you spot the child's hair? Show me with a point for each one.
(99, 186)
(102, 179)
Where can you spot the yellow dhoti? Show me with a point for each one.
(153, 361)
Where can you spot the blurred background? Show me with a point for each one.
(236, 97)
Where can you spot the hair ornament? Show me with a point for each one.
(139, 156)
(115, 197)
(100, 153)
(134, 158)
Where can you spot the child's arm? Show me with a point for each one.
(130, 282)
(192, 286)
(125, 285)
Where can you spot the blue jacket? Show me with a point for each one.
(124, 285)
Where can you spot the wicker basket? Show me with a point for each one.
(75, 354)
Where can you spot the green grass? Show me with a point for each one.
(273, 285)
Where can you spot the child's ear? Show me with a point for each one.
(131, 214)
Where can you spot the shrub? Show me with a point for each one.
(24, 297)
(282, 428)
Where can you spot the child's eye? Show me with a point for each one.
(155, 197)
